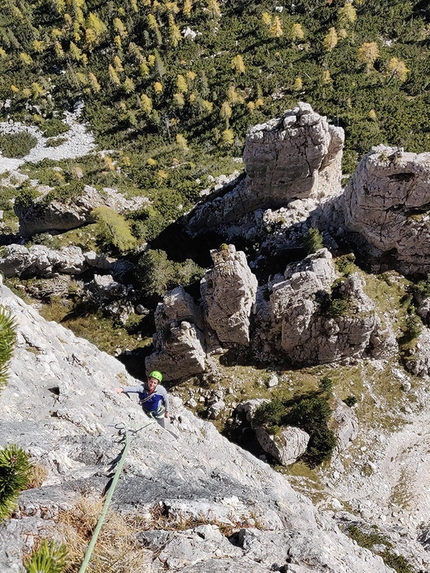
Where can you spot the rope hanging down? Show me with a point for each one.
(106, 505)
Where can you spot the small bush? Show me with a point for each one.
(423, 287)
(26, 197)
(112, 230)
(54, 127)
(15, 471)
(49, 557)
(313, 241)
(17, 145)
(350, 401)
(345, 264)
(270, 414)
(7, 343)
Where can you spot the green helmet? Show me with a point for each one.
(157, 375)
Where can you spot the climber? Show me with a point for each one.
(152, 396)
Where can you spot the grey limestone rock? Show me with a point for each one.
(228, 294)
(297, 156)
(60, 404)
(311, 335)
(178, 340)
(286, 446)
(387, 202)
(41, 216)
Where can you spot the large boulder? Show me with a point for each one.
(286, 446)
(228, 294)
(41, 216)
(42, 262)
(297, 156)
(387, 202)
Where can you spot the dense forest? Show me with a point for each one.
(170, 88)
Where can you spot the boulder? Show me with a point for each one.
(41, 216)
(417, 360)
(286, 446)
(42, 262)
(344, 423)
(387, 202)
(228, 293)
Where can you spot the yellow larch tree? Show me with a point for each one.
(367, 54)
(330, 40)
(238, 65)
(275, 30)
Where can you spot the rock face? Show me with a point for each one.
(56, 215)
(313, 327)
(296, 156)
(228, 292)
(387, 202)
(60, 406)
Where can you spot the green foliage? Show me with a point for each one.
(54, 127)
(313, 241)
(311, 413)
(15, 471)
(7, 343)
(270, 414)
(49, 557)
(413, 327)
(26, 196)
(65, 193)
(345, 264)
(372, 540)
(17, 145)
(156, 273)
(350, 401)
(112, 230)
(423, 287)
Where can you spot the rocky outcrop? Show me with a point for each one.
(60, 406)
(314, 326)
(387, 202)
(40, 261)
(297, 156)
(41, 216)
(228, 294)
(178, 340)
(417, 359)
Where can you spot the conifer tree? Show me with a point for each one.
(213, 9)
(174, 32)
(368, 53)
(297, 32)
(396, 69)
(238, 65)
(114, 76)
(330, 40)
(275, 30)
(146, 104)
(181, 84)
(187, 7)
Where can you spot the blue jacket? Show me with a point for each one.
(151, 403)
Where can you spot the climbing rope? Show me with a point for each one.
(127, 432)
(90, 549)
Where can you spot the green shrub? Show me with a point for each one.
(49, 557)
(312, 414)
(7, 343)
(15, 472)
(65, 193)
(26, 196)
(17, 145)
(54, 127)
(156, 274)
(423, 287)
(112, 230)
(270, 414)
(345, 264)
(313, 241)
(350, 401)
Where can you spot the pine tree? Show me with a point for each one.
(275, 30)
(347, 15)
(330, 40)
(368, 53)
(238, 65)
